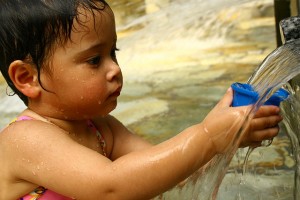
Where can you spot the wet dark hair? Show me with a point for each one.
(30, 28)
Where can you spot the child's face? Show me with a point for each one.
(85, 79)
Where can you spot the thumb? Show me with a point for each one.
(226, 100)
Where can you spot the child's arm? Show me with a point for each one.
(263, 126)
(55, 161)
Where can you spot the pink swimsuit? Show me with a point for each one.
(42, 193)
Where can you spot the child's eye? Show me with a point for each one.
(113, 54)
(94, 61)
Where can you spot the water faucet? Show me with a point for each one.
(290, 29)
(289, 32)
(277, 64)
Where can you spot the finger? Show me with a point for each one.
(267, 111)
(251, 144)
(265, 134)
(264, 122)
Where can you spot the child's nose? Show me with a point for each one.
(114, 72)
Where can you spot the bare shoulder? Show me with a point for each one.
(21, 135)
(22, 144)
(37, 153)
(22, 129)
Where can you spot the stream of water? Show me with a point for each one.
(282, 65)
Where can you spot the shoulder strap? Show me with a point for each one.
(21, 118)
(100, 137)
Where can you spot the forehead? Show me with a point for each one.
(93, 26)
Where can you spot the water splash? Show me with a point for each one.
(291, 115)
(277, 69)
(282, 65)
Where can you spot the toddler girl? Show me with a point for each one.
(59, 58)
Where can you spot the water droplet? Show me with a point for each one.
(239, 197)
(99, 102)
(242, 180)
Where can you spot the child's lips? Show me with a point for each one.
(117, 92)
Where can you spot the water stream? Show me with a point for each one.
(282, 65)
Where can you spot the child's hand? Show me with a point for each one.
(224, 122)
(264, 126)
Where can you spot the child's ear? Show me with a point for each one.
(25, 78)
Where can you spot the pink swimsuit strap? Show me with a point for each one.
(100, 137)
(42, 193)
(23, 118)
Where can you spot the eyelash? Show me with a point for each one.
(96, 60)
(114, 55)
